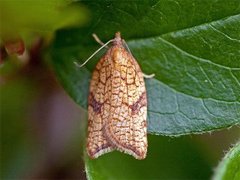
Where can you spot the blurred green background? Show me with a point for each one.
(43, 129)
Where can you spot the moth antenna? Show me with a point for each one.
(124, 42)
(98, 40)
(104, 45)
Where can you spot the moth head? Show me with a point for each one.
(117, 39)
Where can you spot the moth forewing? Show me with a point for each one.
(117, 105)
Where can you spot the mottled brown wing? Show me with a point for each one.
(126, 126)
(98, 110)
(117, 107)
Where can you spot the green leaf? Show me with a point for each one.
(27, 18)
(229, 168)
(191, 46)
(166, 159)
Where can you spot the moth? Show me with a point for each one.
(117, 104)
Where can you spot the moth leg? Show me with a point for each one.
(97, 39)
(148, 76)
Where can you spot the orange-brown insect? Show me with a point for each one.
(117, 105)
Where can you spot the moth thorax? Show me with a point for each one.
(117, 56)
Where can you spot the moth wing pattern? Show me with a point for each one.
(97, 144)
(117, 106)
(127, 126)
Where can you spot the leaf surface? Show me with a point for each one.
(194, 55)
(166, 159)
(229, 167)
(28, 19)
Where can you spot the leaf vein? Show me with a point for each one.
(205, 74)
(235, 78)
(196, 57)
(206, 108)
(224, 34)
